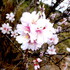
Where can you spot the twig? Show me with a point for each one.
(18, 6)
(14, 44)
(16, 65)
(63, 40)
(61, 59)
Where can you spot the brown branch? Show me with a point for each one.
(14, 44)
(16, 65)
(18, 6)
(63, 40)
(61, 59)
(62, 31)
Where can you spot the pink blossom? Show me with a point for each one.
(14, 33)
(10, 17)
(5, 28)
(38, 60)
(63, 22)
(36, 65)
(34, 31)
(68, 49)
(33, 46)
(53, 15)
(51, 50)
(52, 40)
(59, 28)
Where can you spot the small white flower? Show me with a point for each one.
(68, 49)
(52, 40)
(51, 50)
(5, 28)
(62, 6)
(39, 60)
(49, 2)
(59, 28)
(63, 22)
(53, 15)
(10, 17)
(14, 33)
(36, 66)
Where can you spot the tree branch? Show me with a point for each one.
(63, 40)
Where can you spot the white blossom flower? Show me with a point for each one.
(44, 30)
(36, 66)
(14, 33)
(63, 22)
(28, 18)
(39, 60)
(6, 28)
(53, 15)
(68, 49)
(51, 50)
(10, 17)
(52, 40)
(63, 6)
(22, 29)
(49, 2)
(59, 28)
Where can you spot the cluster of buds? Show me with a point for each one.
(36, 63)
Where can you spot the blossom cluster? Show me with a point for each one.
(6, 28)
(35, 30)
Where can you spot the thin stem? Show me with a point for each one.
(16, 65)
(18, 6)
(61, 59)
(14, 44)
(63, 40)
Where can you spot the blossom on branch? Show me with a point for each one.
(35, 30)
(64, 21)
(51, 50)
(53, 39)
(10, 17)
(14, 33)
(59, 28)
(68, 49)
(36, 65)
(6, 28)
